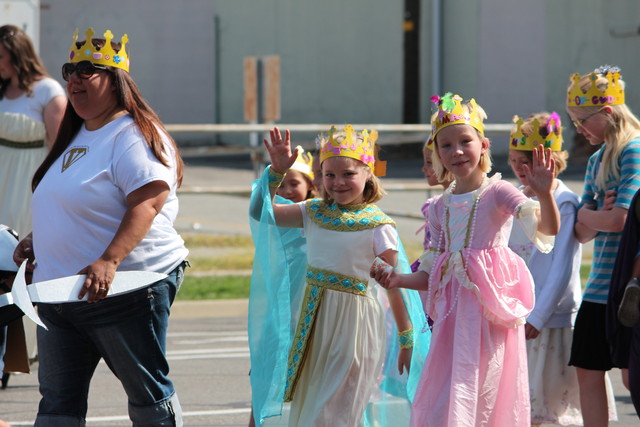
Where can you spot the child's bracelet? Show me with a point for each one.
(406, 338)
(275, 178)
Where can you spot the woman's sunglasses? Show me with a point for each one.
(85, 69)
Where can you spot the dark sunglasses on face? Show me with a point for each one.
(85, 69)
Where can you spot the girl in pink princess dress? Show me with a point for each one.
(479, 291)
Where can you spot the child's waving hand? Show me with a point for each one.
(542, 173)
(540, 179)
(280, 150)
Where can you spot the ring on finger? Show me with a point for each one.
(102, 289)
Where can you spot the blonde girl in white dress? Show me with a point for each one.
(337, 352)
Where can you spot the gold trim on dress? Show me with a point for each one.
(318, 280)
(346, 217)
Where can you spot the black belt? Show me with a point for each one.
(28, 144)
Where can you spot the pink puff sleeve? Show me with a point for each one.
(525, 211)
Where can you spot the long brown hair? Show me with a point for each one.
(129, 98)
(23, 58)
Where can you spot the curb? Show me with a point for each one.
(209, 309)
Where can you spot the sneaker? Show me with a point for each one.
(5, 380)
(629, 310)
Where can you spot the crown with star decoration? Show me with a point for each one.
(365, 151)
(452, 112)
(595, 97)
(553, 138)
(104, 55)
(303, 162)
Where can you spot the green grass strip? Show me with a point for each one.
(214, 287)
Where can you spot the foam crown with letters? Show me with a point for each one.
(595, 97)
(553, 139)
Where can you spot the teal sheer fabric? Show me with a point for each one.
(277, 288)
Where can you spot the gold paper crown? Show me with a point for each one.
(365, 151)
(451, 112)
(553, 139)
(429, 143)
(594, 97)
(104, 55)
(303, 162)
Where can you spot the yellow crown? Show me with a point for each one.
(429, 143)
(553, 139)
(105, 55)
(594, 97)
(303, 162)
(365, 151)
(451, 112)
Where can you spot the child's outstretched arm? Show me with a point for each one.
(540, 179)
(389, 279)
(282, 158)
(399, 313)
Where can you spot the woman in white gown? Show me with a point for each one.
(31, 108)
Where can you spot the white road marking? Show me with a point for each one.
(211, 356)
(91, 420)
(208, 334)
(207, 350)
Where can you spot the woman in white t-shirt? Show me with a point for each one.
(104, 201)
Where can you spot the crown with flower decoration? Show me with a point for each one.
(594, 97)
(365, 151)
(104, 55)
(553, 139)
(451, 112)
(303, 162)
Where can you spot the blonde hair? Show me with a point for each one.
(373, 190)
(621, 128)
(442, 174)
(559, 157)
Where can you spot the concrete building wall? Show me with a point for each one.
(587, 33)
(341, 60)
(170, 45)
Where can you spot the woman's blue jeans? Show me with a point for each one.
(129, 332)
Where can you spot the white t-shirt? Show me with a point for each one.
(44, 91)
(79, 204)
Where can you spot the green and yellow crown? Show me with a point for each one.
(303, 162)
(594, 97)
(553, 139)
(451, 112)
(104, 55)
(364, 151)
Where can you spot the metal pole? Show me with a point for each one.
(436, 47)
(411, 74)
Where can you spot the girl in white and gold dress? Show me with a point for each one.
(334, 360)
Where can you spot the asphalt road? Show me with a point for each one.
(209, 358)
